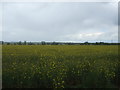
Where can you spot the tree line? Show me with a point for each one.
(55, 43)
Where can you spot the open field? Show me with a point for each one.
(60, 66)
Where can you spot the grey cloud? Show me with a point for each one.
(55, 21)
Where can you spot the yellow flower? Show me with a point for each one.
(62, 81)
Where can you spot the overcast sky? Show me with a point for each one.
(70, 21)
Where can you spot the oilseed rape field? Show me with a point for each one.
(60, 66)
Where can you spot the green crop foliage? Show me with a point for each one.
(60, 66)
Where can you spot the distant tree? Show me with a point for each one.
(19, 43)
(30, 43)
(8, 43)
(2, 42)
(97, 43)
(38, 43)
(101, 43)
(69, 43)
(14, 43)
(25, 42)
(86, 43)
(55, 43)
(43, 42)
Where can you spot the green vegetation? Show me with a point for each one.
(60, 66)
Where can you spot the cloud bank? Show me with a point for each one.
(60, 21)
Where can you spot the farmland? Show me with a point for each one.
(60, 66)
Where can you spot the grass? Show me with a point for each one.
(60, 66)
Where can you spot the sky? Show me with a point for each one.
(60, 21)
